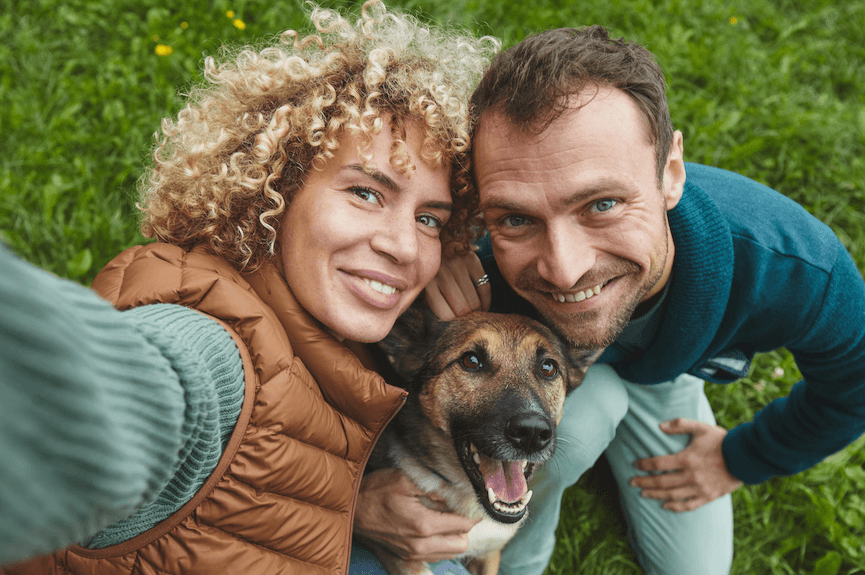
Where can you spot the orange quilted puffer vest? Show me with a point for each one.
(281, 500)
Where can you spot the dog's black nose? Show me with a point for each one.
(529, 432)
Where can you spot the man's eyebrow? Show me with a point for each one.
(387, 182)
(508, 205)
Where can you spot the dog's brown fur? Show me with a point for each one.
(490, 383)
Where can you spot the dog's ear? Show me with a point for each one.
(410, 340)
(580, 360)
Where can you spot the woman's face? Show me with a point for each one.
(359, 245)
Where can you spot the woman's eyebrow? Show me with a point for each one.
(376, 175)
(388, 182)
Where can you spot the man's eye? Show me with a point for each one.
(515, 220)
(365, 194)
(604, 205)
(430, 221)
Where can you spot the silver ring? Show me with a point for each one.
(483, 280)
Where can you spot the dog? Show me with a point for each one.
(486, 392)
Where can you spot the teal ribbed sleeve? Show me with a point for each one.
(210, 369)
(102, 414)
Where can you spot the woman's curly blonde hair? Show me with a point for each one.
(228, 166)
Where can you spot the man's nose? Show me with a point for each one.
(566, 257)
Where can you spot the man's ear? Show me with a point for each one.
(674, 172)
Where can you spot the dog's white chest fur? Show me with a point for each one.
(489, 534)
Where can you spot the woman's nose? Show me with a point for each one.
(397, 239)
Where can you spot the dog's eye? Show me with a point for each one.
(471, 361)
(549, 369)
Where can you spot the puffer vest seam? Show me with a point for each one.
(316, 447)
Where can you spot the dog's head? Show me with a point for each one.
(496, 385)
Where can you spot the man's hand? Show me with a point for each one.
(390, 512)
(694, 476)
(454, 292)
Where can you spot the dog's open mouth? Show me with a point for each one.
(501, 486)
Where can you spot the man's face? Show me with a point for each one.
(576, 215)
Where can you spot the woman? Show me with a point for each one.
(221, 423)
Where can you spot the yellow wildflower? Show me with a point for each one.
(230, 13)
(184, 25)
(733, 19)
(239, 24)
(163, 50)
(155, 38)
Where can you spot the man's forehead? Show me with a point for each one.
(619, 107)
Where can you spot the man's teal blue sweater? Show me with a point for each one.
(754, 272)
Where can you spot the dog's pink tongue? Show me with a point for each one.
(506, 478)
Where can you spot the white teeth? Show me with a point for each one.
(476, 457)
(512, 508)
(380, 287)
(525, 463)
(579, 296)
(492, 495)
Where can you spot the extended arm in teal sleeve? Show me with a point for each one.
(95, 419)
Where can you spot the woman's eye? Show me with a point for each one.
(430, 221)
(549, 369)
(604, 205)
(365, 194)
(471, 362)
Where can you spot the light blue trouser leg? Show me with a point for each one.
(696, 542)
(666, 543)
(363, 562)
(592, 413)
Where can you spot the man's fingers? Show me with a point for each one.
(484, 291)
(663, 481)
(659, 463)
(445, 297)
(451, 293)
(437, 302)
(679, 493)
(683, 426)
(467, 292)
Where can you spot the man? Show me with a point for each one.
(684, 272)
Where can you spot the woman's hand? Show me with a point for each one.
(390, 513)
(454, 291)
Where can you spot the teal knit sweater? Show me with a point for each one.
(109, 421)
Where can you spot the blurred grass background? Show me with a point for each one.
(772, 89)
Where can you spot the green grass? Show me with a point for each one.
(770, 89)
